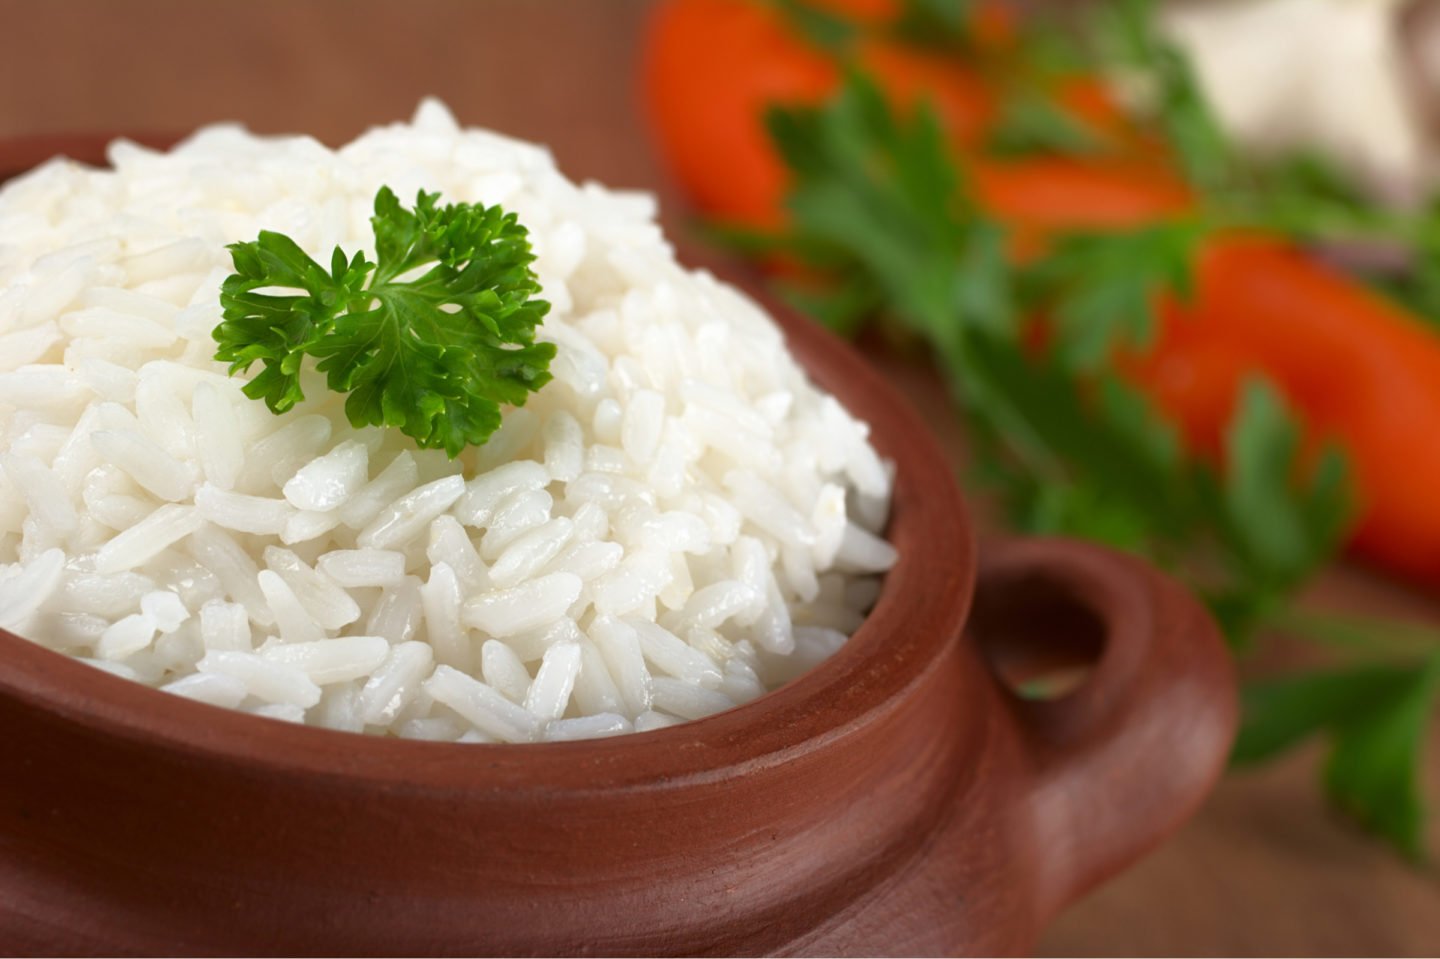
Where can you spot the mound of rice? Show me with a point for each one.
(677, 523)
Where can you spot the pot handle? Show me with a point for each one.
(1120, 762)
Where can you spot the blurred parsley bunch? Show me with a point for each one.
(888, 231)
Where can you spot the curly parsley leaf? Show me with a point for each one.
(1127, 35)
(825, 29)
(1376, 716)
(431, 338)
(1374, 768)
(1072, 458)
(1286, 710)
(1103, 289)
(876, 201)
(935, 23)
(1282, 527)
(1031, 123)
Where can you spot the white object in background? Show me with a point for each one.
(1327, 75)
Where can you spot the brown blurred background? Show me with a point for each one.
(554, 70)
(1264, 869)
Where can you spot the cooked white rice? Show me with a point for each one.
(679, 522)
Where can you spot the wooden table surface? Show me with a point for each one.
(1264, 869)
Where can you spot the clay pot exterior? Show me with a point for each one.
(898, 799)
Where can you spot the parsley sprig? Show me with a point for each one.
(1067, 447)
(889, 232)
(430, 338)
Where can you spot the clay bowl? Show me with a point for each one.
(899, 799)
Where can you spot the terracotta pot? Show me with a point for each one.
(899, 799)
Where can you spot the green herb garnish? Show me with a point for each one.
(1030, 123)
(431, 338)
(1375, 716)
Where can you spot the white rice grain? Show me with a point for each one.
(217, 689)
(641, 426)
(398, 613)
(437, 729)
(485, 493)
(165, 477)
(329, 605)
(400, 475)
(688, 701)
(593, 726)
(331, 480)
(23, 591)
(528, 553)
(272, 682)
(45, 387)
(530, 645)
(329, 661)
(863, 552)
(491, 712)
(564, 447)
(24, 347)
(505, 612)
(502, 668)
(549, 693)
(284, 712)
(440, 599)
(42, 490)
(275, 458)
(672, 655)
(339, 708)
(126, 636)
(521, 511)
(395, 682)
(242, 513)
(295, 623)
(651, 719)
(235, 568)
(360, 568)
(218, 441)
(595, 690)
(712, 605)
(637, 581)
(111, 595)
(451, 545)
(225, 626)
(165, 609)
(619, 646)
(405, 518)
(764, 506)
(146, 539)
(588, 560)
(302, 526)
